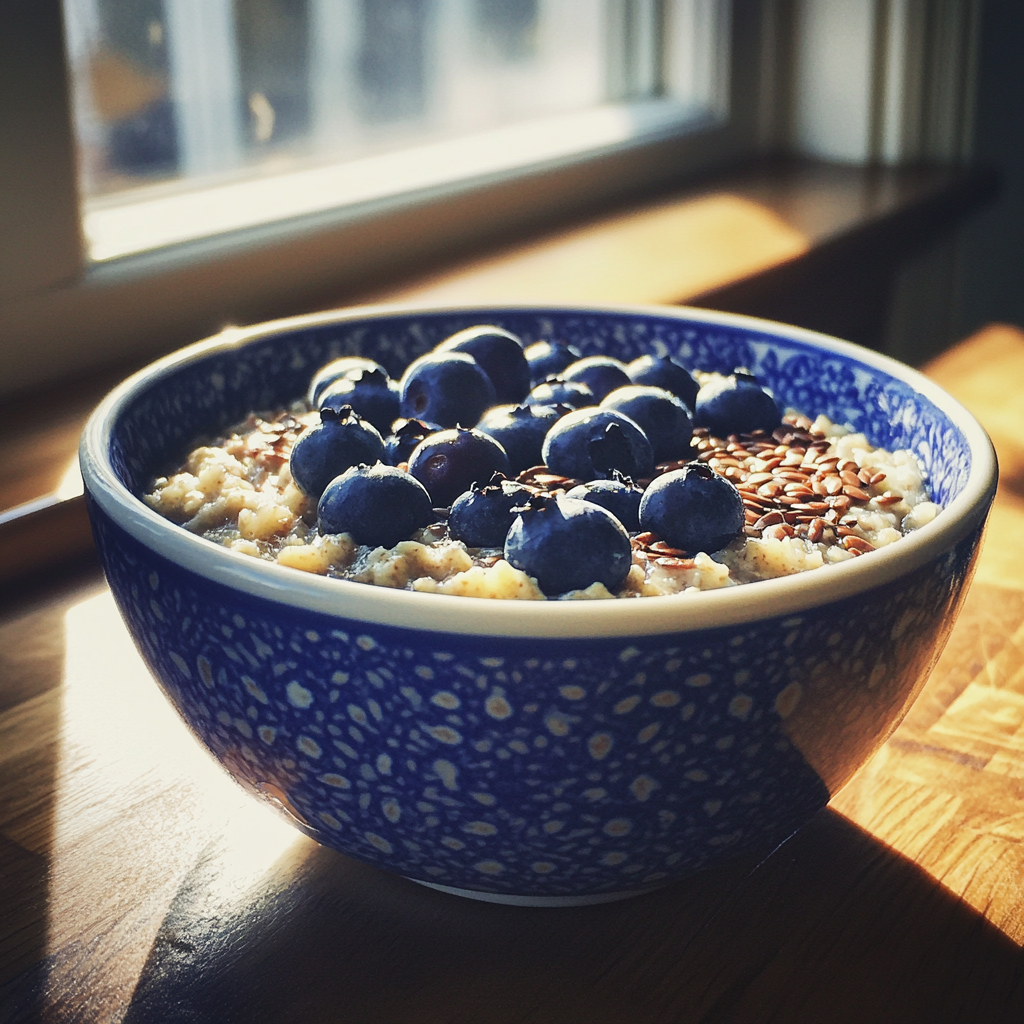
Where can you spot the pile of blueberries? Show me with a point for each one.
(447, 441)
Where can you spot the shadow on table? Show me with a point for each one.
(32, 662)
(834, 926)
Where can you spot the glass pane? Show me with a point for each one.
(193, 93)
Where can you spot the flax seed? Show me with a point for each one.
(858, 544)
(876, 479)
(856, 493)
(661, 548)
(769, 519)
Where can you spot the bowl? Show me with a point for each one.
(539, 753)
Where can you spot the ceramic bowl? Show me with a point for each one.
(535, 752)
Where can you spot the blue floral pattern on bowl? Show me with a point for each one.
(548, 768)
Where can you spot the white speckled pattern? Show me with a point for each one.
(476, 745)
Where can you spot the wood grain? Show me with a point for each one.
(138, 884)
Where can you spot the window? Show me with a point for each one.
(85, 278)
(200, 117)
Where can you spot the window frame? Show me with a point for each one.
(60, 315)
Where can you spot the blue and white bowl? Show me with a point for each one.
(535, 752)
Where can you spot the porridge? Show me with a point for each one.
(813, 493)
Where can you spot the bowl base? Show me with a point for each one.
(511, 900)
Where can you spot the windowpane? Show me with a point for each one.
(359, 98)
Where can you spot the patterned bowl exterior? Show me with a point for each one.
(528, 766)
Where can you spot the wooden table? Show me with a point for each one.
(138, 884)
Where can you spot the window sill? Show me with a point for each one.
(809, 243)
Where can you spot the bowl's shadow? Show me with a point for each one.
(833, 926)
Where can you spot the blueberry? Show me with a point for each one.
(341, 439)
(565, 544)
(481, 517)
(556, 391)
(693, 509)
(371, 393)
(619, 496)
(334, 371)
(600, 373)
(590, 444)
(451, 461)
(547, 358)
(447, 389)
(378, 505)
(659, 414)
(520, 430)
(658, 372)
(736, 404)
(399, 445)
(500, 354)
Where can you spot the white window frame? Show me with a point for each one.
(907, 96)
(59, 314)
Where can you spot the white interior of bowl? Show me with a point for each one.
(646, 616)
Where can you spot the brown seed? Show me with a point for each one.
(850, 479)
(769, 490)
(770, 519)
(752, 531)
(830, 461)
(887, 499)
(786, 499)
(661, 548)
(818, 486)
(849, 466)
(839, 501)
(865, 475)
(791, 474)
(815, 530)
(779, 532)
(750, 517)
(799, 490)
(833, 485)
(876, 478)
(756, 479)
(831, 516)
(646, 538)
(845, 531)
(772, 463)
(857, 544)
(856, 493)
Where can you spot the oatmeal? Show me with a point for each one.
(813, 494)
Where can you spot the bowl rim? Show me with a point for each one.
(447, 614)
